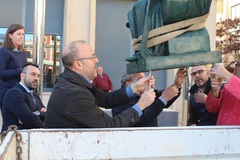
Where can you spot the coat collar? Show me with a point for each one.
(21, 87)
(75, 78)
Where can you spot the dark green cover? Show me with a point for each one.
(147, 15)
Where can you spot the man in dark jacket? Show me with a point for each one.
(21, 106)
(167, 97)
(198, 114)
(75, 102)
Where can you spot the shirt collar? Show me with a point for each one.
(24, 87)
(90, 82)
(16, 50)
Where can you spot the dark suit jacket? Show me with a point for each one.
(197, 112)
(18, 108)
(149, 116)
(74, 104)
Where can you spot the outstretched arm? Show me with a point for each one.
(180, 77)
(142, 84)
(233, 82)
(173, 92)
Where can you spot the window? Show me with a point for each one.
(235, 11)
(2, 35)
(50, 58)
(45, 40)
(29, 53)
(45, 55)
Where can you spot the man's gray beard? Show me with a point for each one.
(199, 85)
(202, 85)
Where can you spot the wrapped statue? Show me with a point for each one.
(169, 34)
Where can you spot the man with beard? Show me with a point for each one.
(75, 102)
(21, 106)
(198, 114)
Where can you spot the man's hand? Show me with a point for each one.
(43, 109)
(220, 72)
(200, 98)
(146, 99)
(216, 85)
(170, 92)
(180, 77)
(142, 84)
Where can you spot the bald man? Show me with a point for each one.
(75, 102)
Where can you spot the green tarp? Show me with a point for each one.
(148, 15)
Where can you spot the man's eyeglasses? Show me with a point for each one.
(197, 72)
(91, 57)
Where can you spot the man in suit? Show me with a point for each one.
(21, 106)
(75, 102)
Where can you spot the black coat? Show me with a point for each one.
(74, 104)
(18, 108)
(149, 116)
(198, 113)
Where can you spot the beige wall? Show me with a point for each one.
(79, 24)
(79, 21)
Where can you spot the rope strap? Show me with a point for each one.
(170, 31)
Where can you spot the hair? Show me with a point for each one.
(125, 77)
(7, 41)
(24, 68)
(208, 66)
(70, 54)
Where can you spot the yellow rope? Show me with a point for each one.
(170, 31)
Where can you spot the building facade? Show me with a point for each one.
(102, 23)
(229, 9)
